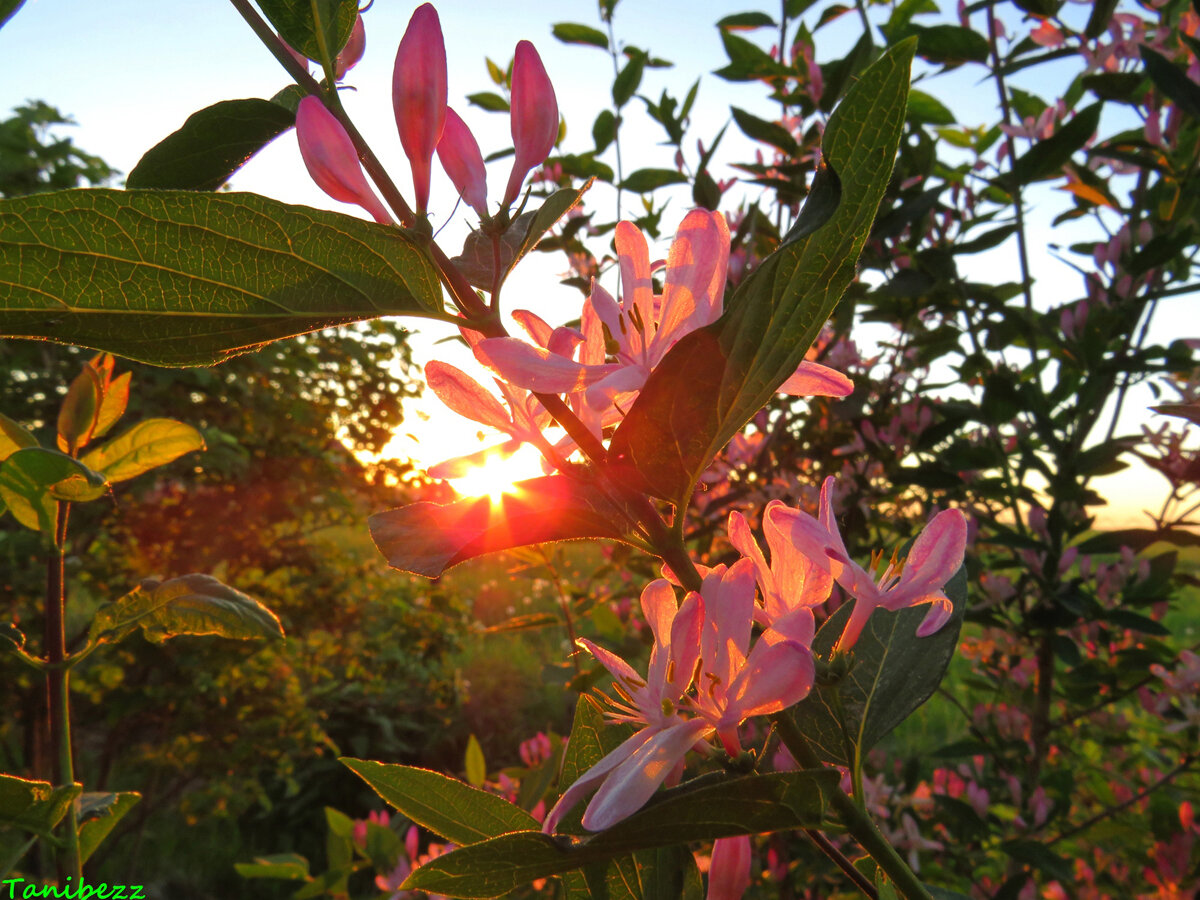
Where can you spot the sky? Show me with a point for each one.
(130, 72)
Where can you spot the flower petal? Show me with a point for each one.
(593, 776)
(637, 777)
(814, 380)
(694, 289)
(466, 396)
(536, 369)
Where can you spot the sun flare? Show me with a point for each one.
(499, 475)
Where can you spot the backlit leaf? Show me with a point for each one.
(428, 538)
(184, 278)
(211, 145)
(720, 807)
(298, 23)
(35, 806)
(99, 814)
(13, 437)
(455, 811)
(190, 604)
(34, 478)
(894, 672)
(145, 446)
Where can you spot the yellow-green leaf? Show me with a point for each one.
(13, 437)
(145, 446)
(475, 764)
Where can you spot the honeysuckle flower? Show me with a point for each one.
(729, 870)
(460, 157)
(534, 117)
(331, 159)
(633, 771)
(917, 579)
(708, 635)
(791, 580)
(645, 326)
(419, 95)
(733, 685)
(523, 421)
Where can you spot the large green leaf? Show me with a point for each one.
(299, 22)
(665, 873)
(715, 379)
(190, 604)
(99, 814)
(456, 811)
(428, 538)
(211, 145)
(34, 478)
(718, 808)
(147, 445)
(184, 278)
(894, 672)
(35, 806)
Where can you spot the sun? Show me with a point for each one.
(499, 475)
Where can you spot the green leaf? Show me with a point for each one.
(574, 33)
(721, 807)
(475, 764)
(428, 538)
(489, 101)
(35, 806)
(925, 109)
(665, 873)
(288, 866)
(79, 411)
(1040, 857)
(13, 437)
(298, 23)
(112, 405)
(715, 379)
(766, 132)
(643, 181)
(746, 21)
(604, 130)
(1046, 158)
(190, 604)
(145, 446)
(894, 672)
(951, 45)
(455, 811)
(99, 813)
(8, 9)
(211, 145)
(32, 479)
(182, 278)
(1172, 81)
(626, 83)
(747, 60)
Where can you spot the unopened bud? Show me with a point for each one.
(534, 116)
(331, 160)
(419, 95)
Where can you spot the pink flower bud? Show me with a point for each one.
(729, 872)
(353, 51)
(331, 160)
(534, 116)
(419, 95)
(460, 157)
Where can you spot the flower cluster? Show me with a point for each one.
(708, 674)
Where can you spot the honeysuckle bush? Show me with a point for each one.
(655, 382)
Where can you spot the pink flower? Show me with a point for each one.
(523, 421)
(534, 117)
(792, 580)
(729, 871)
(644, 325)
(1047, 34)
(709, 635)
(460, 157)
(936, 555)
(419, 95)
(331, 160)
(633, 771)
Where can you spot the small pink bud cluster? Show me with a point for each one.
(426, 124)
